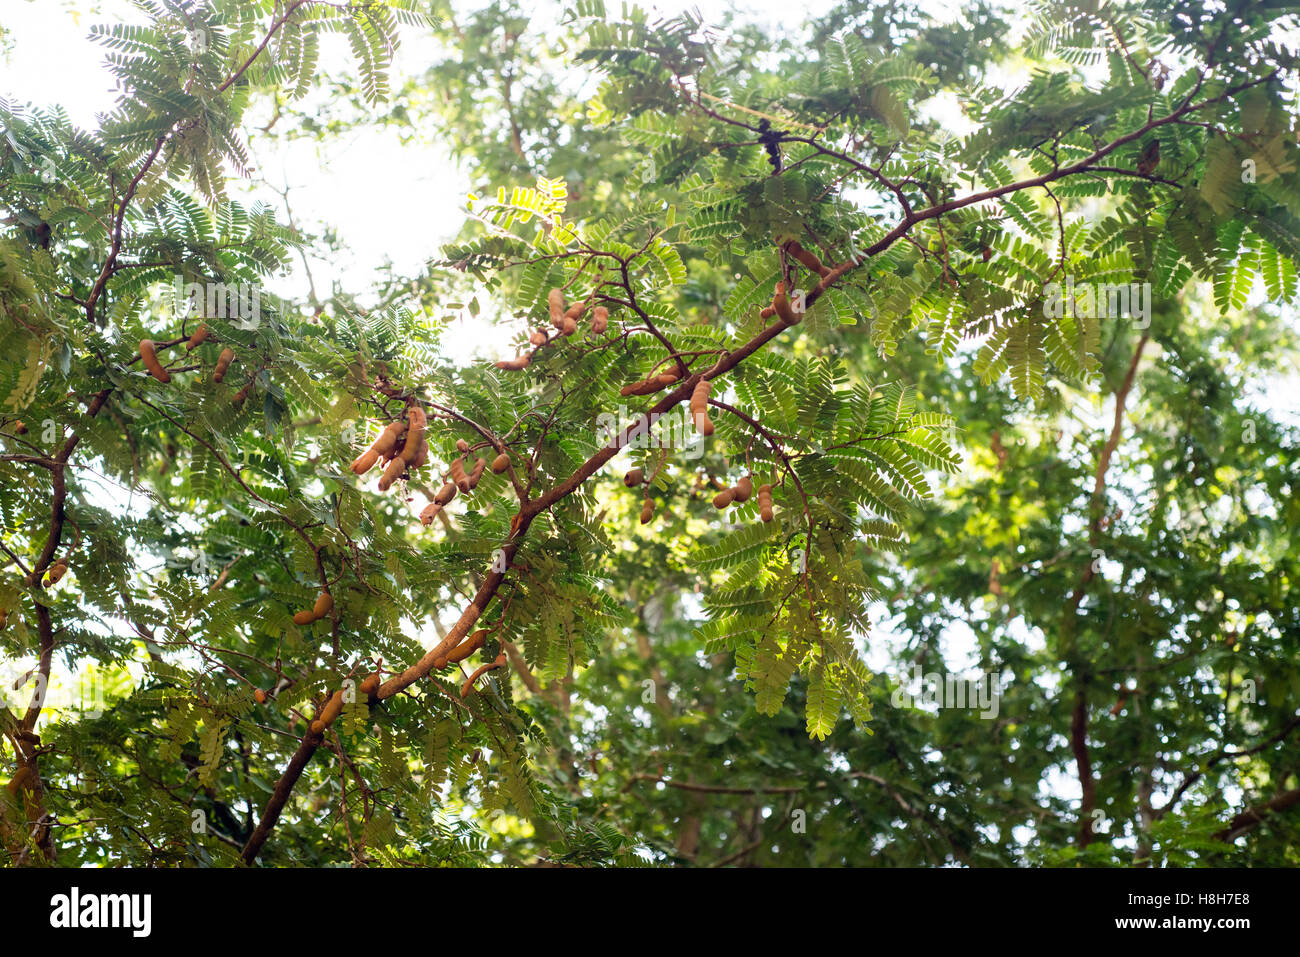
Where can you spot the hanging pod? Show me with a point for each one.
(324, 602)
(807, 257)
(501, 463)
(467, 647)
(476, 472)
(386, 444)
(197, 338)
(457, 471)
(223, 363)
(700, 408)
(765, 502)
(364, 462)
(555, 303)
(421, 453)
(569, 321)
(781, 303)
(392, 472)
(149, 356)
(414, 433)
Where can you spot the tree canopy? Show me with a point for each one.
(842, 366)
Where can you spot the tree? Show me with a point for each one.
(749, 255)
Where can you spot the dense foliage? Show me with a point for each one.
(1098, 500)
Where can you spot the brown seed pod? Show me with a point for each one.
(445, 494)
(223, 363)
(476, 472)
(501, 463)
(514, 365)
(781, 303)
(647, 512)
(700, 397)
(575, 311)
(467, 647)
(633, 478)
(260, 696)
(364, 462)
(599, 319)
(500, 662)
(767, 312)
(318, 727)
(414, 433)
(462, 446)
(430, 511)
(333, 708)
(555, 303)
(324, 602)
(421, 453)
(149, 356)
(241, 395)
(700, 408)
(538, 337)
(386, 444)
(4, 618)
(371, 685)
(744, 489)
(724, 498)
(57, 571)
(197, 338)
(806, 257)
(568, 325)
(649, 386)
(19, 428)
(765, 502)
(457, 470)
(392, 472)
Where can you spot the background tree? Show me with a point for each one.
(1111, 522)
